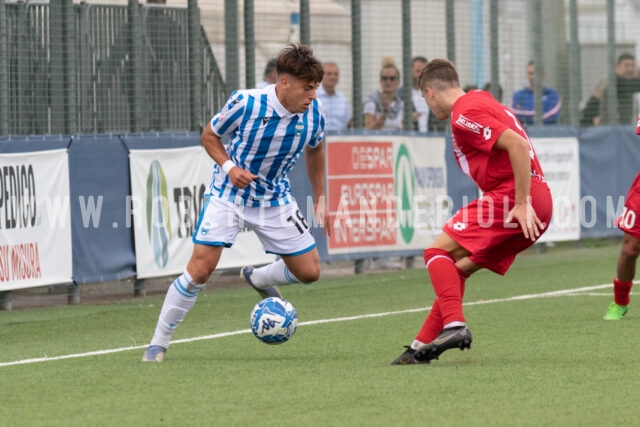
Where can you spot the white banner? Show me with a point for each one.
(385, 192)
(167, 187)
(560, 161)
(35, 219)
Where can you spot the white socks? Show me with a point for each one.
(275, 273)
(180, 298)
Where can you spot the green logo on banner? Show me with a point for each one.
(404, 191)
(158, 219)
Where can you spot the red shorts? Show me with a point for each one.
(629, 221)
(479, 227)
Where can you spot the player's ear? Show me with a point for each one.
(284, 80)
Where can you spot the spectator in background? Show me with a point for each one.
(420, 107)
(627, 82)
(383, 108)
(591, 110)
(524, 106)
(335, 104)
(269, 76)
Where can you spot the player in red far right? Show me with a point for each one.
(629, 222)
(492, 148)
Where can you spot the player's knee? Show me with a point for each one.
(631, 252)
(201, 276)
(433, 253)
(310, 276)
(199, 271)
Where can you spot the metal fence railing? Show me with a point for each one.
(574, 44)
(86, 68)
(119, 66)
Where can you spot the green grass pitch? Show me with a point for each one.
(547, 359)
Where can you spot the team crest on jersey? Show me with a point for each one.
(299, 128)
(469, 124)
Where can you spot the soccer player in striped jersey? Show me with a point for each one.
(266, 131)
(493, 149)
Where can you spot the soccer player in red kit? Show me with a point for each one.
(492, 148)
(629, 222)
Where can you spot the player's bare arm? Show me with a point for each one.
(213, 145)
(519, 155)
(315, 162)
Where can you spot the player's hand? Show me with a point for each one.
(322, 215)
(526, 217)
(241, 177)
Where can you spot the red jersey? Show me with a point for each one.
(629, 221)
(477, 120)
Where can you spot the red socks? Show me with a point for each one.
(621, 291)
(432, 324)
(449, 285)
(463, 281)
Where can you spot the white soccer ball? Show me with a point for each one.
(273, 320)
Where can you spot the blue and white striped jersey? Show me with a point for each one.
(266, 139)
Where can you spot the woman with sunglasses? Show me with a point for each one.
(383, 108)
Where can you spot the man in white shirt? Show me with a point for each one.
(420, 107)
(269, 76)
(335, 104)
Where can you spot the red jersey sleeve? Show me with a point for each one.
(479, 124)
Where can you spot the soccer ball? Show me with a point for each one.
(273, 320)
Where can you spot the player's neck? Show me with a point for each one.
(282, 98)
(451, 96)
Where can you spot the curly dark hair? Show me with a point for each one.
(298, 61)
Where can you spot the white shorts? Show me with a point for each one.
(283, 230)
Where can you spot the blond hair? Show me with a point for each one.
(389, 62)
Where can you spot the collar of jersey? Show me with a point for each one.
(275, 102)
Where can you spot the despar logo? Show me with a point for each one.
(404, 191)
(158, 219)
